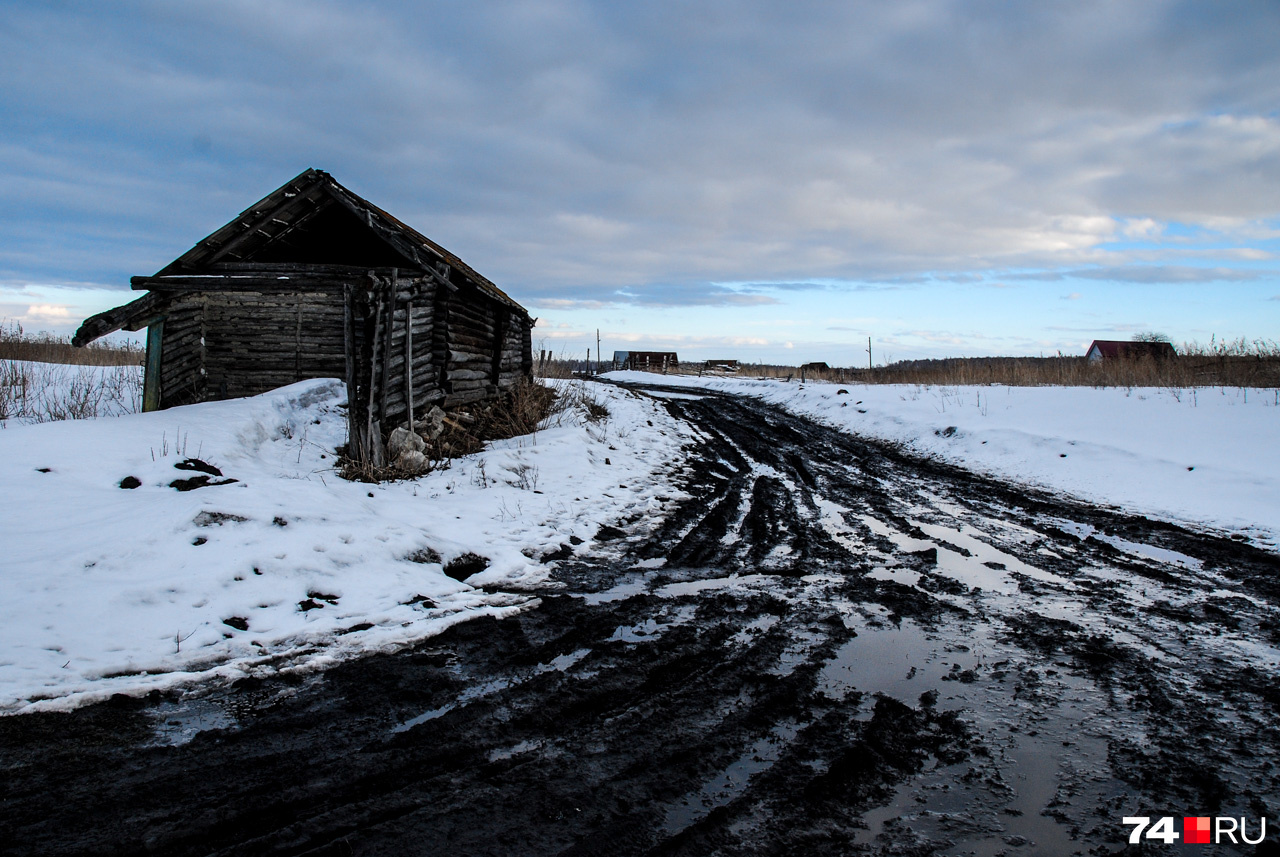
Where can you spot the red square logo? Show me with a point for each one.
(1195, 830)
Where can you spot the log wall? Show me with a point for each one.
(255, 341)
(181, 362)
(402, 343)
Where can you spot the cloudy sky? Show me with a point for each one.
(760, 180)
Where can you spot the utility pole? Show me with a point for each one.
(868, 352)
(598, 358)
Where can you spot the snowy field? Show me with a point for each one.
(105, 589)
(34, 392)
(1208, 458)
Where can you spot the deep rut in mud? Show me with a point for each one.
(829, 647)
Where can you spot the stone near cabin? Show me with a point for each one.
(432, 425)
(403, 440)
(411, 461)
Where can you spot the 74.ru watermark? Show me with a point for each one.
(1197, 830)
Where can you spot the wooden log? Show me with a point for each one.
(464, 397)
(440, 336)
(461, 357)
(475, 311)
(457, 375)
(277, 268)
(420, 367)
(408, 358)
(473, 327)
(471, 384)
(375, 439)
(237, 283)
(355, 443)
(466, 340)
(384, 385)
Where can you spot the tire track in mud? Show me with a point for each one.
(830, 647)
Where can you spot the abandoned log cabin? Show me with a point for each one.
(313, 281)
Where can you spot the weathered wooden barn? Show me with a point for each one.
(313, 281)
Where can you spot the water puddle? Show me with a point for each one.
(732, 781)
(900, 661)
(755, 627)
(966, 538)
(905, 576)
(499, 754)
(621, 592)
(558, 664)
(1044, 753)
(176, 723)
(1134, 549)
(693, 587)
(665, 394)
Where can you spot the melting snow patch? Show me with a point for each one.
(108, 591)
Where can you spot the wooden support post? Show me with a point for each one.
(297, 344)
(408, 359)
(385, 363)
(151, 378)
(355, 442)
(371, 424)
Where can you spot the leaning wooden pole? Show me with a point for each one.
(387, 337)
(355, 442)
(373, 427)
(408, 357)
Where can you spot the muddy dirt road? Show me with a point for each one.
(830, 648)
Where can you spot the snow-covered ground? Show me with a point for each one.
(34, 392)
(1209, 457)
(105, 589)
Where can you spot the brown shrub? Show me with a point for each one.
(467, 429)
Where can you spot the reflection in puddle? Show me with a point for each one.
(898, 661)
(1029, 763)
(732, 781)
(176, 723)
(558, 664)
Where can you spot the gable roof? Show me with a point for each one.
(263, 231)
(271, 220)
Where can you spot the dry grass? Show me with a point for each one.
(466, 430)
(45, 392)
(1234, 363)
(41, 381)
(16, 344)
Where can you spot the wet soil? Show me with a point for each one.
(830, 647)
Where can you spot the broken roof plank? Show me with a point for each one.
(132, 316)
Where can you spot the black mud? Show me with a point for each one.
(831, 648)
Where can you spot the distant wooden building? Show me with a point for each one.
(313, 281)
(1109, 349)
(646, 361)
(816, 366)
